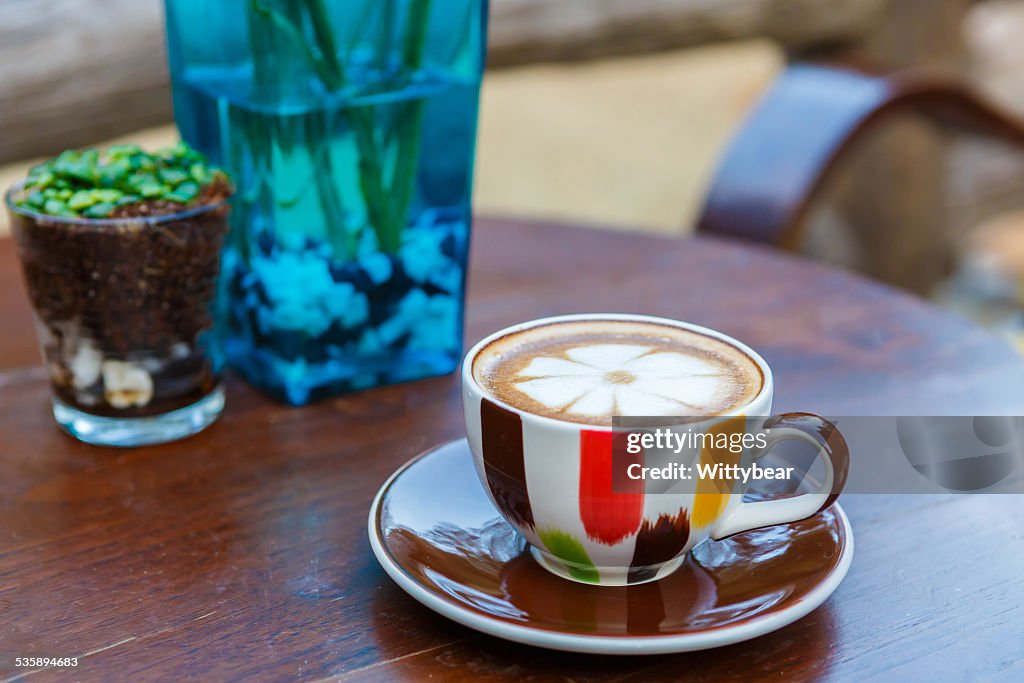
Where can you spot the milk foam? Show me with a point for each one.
(588, 371)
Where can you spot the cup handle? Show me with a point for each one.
(831, 445)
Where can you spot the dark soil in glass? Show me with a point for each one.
(122, 302)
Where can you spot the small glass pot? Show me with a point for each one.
(121, 306)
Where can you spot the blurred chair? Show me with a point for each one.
(886, 212)
(808, 124)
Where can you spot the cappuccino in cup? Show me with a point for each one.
(588, 371)
(540, 399)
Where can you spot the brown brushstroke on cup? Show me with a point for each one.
(658, 542)
(504, 461)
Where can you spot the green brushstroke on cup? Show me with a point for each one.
(565, 547)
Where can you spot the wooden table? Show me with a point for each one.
(242, 553)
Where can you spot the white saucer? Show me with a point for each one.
(437, 534)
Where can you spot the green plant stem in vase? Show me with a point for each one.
(350, 130)
(387, 198)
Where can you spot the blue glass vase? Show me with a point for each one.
(349, 128)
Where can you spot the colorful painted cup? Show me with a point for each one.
(553, 480)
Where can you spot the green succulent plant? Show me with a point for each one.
(92, 183)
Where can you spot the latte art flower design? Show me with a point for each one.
(624, 379)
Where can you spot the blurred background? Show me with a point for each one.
(615, 113)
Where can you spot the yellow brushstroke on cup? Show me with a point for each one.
(712, 495)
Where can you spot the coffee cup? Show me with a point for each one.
(540, 399)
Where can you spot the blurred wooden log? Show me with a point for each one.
(75, 71)
(893, 196)
(524, 31)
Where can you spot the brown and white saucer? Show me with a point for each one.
(437, 534)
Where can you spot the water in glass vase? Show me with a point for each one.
(345, 268)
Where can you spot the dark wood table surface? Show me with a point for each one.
(242, 554)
